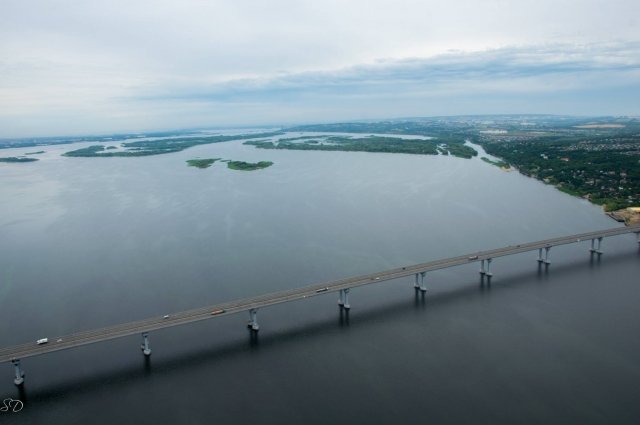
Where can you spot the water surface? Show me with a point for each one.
(90, 242)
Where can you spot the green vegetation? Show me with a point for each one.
(14, 159)
(93, 150)
(233, 165)
(34, 153)
(202, 163)
(599, 164)
(597, 158)
(248, 166)
(111, 147)
(49, 141)
(461, 150)
(379, 144)
(500, 164)
(157, 147)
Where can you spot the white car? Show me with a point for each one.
(42, 341)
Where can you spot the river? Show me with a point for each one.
(91, 242)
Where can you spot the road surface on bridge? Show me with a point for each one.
(146, 325)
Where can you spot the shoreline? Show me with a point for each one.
(629, 216)
(624, 215)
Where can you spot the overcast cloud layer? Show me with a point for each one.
(70, 67)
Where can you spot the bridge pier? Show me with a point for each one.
(341, 298)
(419, 283)
(19, 380)
(346, 299)
(482, 269)
(253, 320)
(595, 249)
(546, 255)
(638, 237)
(145, 344)
(488, 270)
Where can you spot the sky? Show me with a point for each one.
(70, 67)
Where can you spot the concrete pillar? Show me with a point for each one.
(540, 260)
(19, 380)
(346, 299)
(253, 320)
(423, 287)
(546, 255)
(482, 270)
(341, 298)
(145, 344)
(488, 271)
(594, 248)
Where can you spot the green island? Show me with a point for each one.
(14, 159)
(379, 144)
(233, 165)
(202, 163)
(34, 153)
(248, 166)
(500, 164)
(157, 147)
(51, 141)
(596, 158)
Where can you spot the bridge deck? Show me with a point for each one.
(92, 336)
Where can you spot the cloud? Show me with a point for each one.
(597, 79)
(75, 66)
(509, 70)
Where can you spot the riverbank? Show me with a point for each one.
(629, 216)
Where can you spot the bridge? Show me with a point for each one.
(343, 286)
